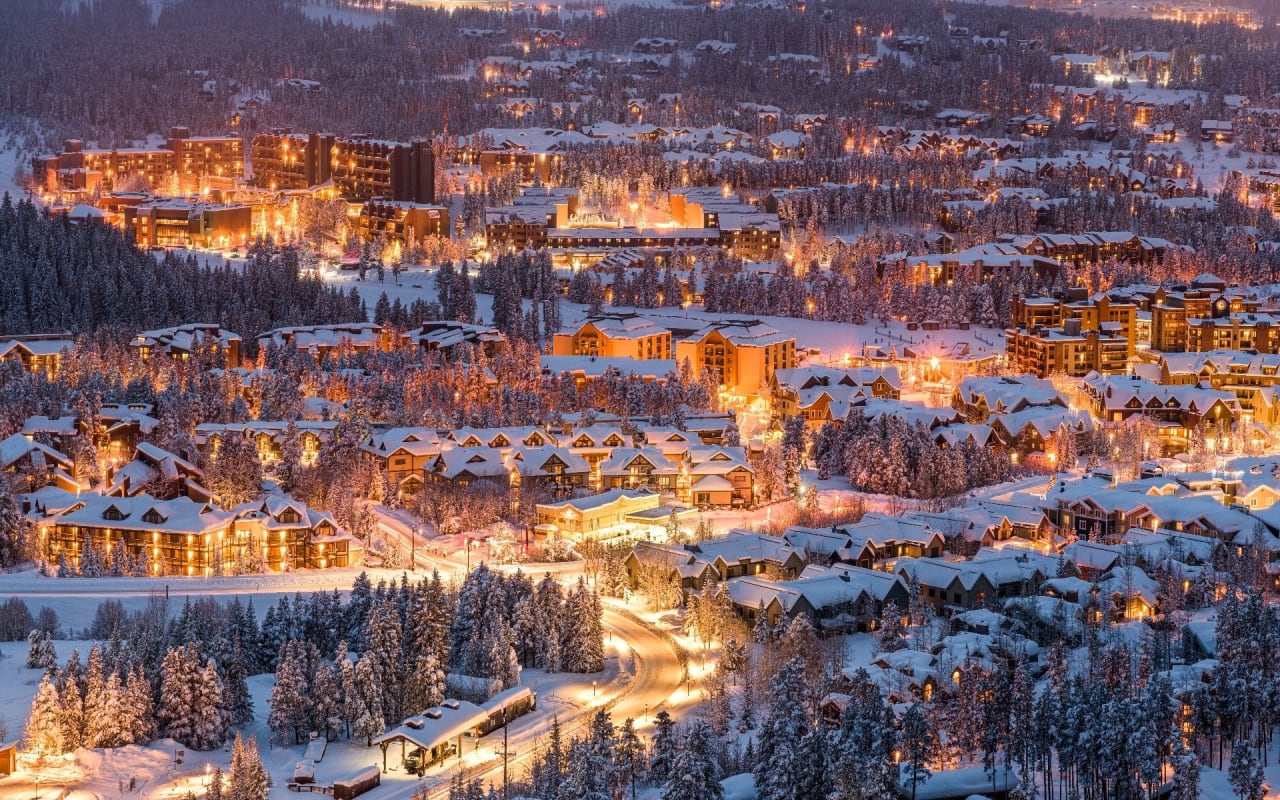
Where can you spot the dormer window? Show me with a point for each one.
(154, 517)
(114, 514)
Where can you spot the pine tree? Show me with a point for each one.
(547, 773)
(239, 702)
(664, 748)
(178, 677)
(630, 755)
(919, 742)
(290, 699)
(1244, 771)
(785, 764)
(140, 711)
(326, 701)
(209, 729)
(383, 633)
(694, 773)
(350, 695)
(249, 778)
(44, 734)
(369, 721)
(217, 785)
(584, 641)
(1186, 774)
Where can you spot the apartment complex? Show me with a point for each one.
(543, 218)
(744, 353)
(184, 341)
(288, 161)
(1067, 350)
(360, 167)
(615, 336)
(194, 162)
(182, 537)
(180, 223)
(402, 221)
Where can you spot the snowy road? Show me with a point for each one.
(657, 679)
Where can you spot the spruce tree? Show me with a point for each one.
(249, 778)
(44, 733)
(695, 775)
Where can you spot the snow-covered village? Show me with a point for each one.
(648, 399)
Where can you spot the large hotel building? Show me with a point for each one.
(360, 167)
(195, 162)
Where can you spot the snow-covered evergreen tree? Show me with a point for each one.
(665, 745)
(366, 702)
(695, 775)
(209, 726)
(179, 677)
(43, 735)
(249, 779)
(290, 700)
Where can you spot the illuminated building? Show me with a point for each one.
(183, 341)
(194, 162)
(400, 221)
(615, 336)
(178, 223)
(1067, 350)
(291, 161)
(743, 353)
(365, 168)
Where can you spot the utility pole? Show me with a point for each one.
(505, 752)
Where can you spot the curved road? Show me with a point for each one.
(657, 678)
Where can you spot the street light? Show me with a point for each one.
(413, 548)
(594, 692)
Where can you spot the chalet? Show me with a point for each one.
(464, 466)
(296, 536)
(528, 436)
(745, 553)
(321, 340)
(879, 538)
(187, 341)
(551, 467)
(720, 477)
(946, 584)
(978, 398)
(404, 453)
(270, 438)
(682, 566)
(158, 471)
(449, 338)
(1094, 511)
(30, 465)
(37, 353)
(645, 467)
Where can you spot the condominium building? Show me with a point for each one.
(1067, 350)
(183, 341)
(180, 223)
(744, 353)
(193, 162)
(365, 168)
(182, 537)
(615, 336)
(285, 160)
(360, 167)
(402, 221)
